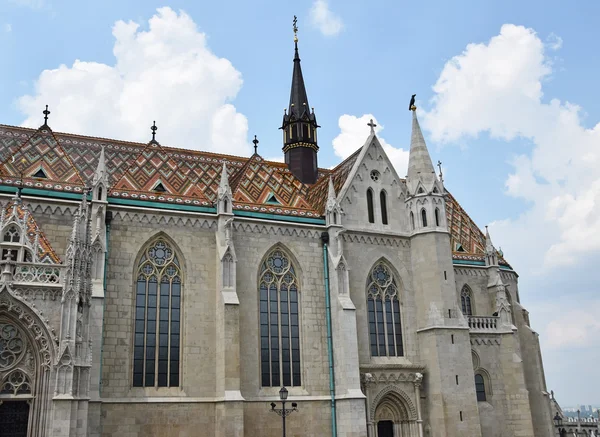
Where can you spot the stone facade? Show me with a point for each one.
(179, 293)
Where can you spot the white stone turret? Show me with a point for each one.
(425, 193)
(224, 195)
(100, 180)
(491, 254)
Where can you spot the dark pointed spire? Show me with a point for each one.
(255, 142)
(300, 126)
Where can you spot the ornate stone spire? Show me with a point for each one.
(491, 255)
(300, 127)
(420, 167)
(224, 195)
(333, 210)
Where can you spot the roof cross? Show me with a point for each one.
(255, 141)
(46, 114)
(154, 129)
(372, 126)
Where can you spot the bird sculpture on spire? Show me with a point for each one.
(411, 105)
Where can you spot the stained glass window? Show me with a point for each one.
(370, 206)
(383, 201)
(465, 301)
(157, 318)
(279, 322)
(480, 388)
(383, 310)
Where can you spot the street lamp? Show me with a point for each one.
(557, 419)
(283, 412)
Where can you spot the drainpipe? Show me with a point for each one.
(325, 240)
(107, 220)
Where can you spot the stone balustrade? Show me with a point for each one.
(35, 273)
(483, 323)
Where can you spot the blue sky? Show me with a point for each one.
(505, 93)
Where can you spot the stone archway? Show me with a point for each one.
(26, 354)
(393, 414)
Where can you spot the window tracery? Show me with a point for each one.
(383, 306)
(15, 361)
(157, 318)
(466, 301)
(279, 321)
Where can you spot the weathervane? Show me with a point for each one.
(372, 126)
(46, 114)
(295, 29)
(255, 141)
(153, 128)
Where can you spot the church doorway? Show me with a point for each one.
(14, 418)
(385, 428)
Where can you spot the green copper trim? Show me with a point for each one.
(41, 193)
(477, 263)
(286, 218)
(161, 205)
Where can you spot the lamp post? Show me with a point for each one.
(558, 421)
(283, 412)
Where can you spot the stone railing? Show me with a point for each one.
(483, 323)
(30, 273)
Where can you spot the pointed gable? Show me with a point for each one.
(15, 213)
(155, 171)
(259, 181)
(41, 156)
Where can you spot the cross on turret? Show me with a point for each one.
(255, 142)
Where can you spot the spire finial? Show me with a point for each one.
(255, 141)
(46, 114)
(153, 128)
(295, 29)
(372, 126)
(439, 164)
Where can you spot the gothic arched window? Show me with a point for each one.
(480, 388)
(465, 301)
(370, 206)
(437, 217)
(412, 221)
(424, 217)
(383, 201)
(278, 287)
(383, 306)
(157, 317)
(11, 235)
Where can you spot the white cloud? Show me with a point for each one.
(497, 88)
(167, 74)
(353, 134)
(554, 42)
(7, 27)
(326, 21)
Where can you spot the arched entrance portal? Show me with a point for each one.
(395, 415)
(25, 359)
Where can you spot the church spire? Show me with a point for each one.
(420, 167)
(491, 255)
(300, 126)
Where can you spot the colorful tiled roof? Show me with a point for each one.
(46, 253)
(188, 177)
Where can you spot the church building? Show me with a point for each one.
(154, 291)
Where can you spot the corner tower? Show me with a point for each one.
(300, 127)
